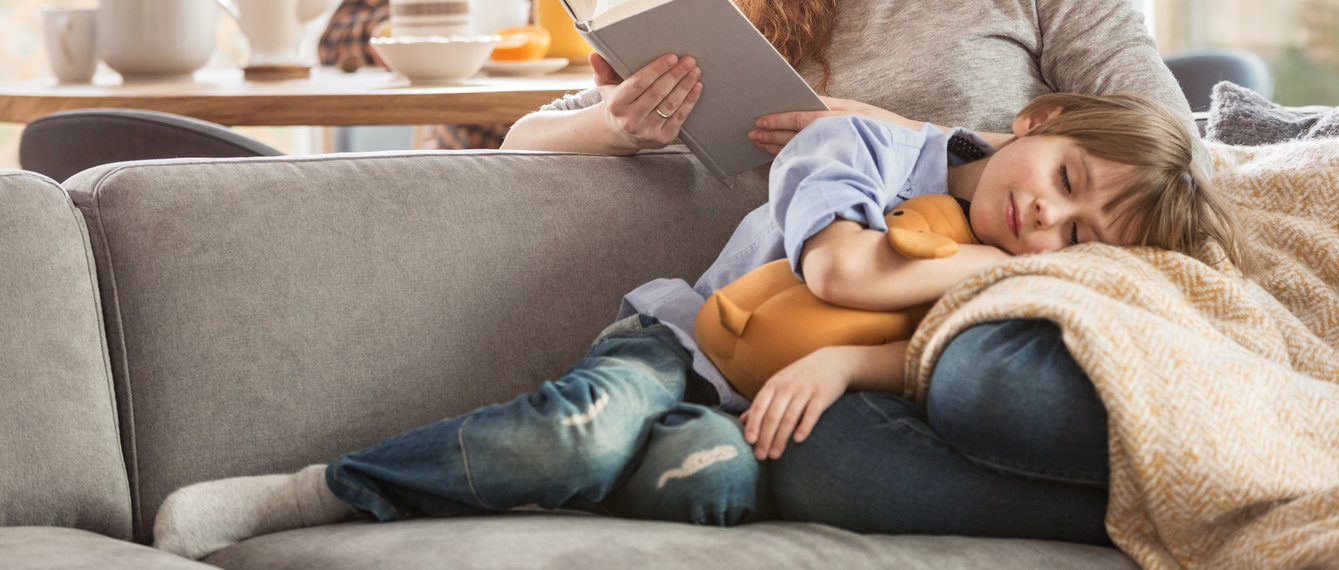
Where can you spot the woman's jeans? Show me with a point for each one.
(612, 435)
(1012, 443)
(1017, 448)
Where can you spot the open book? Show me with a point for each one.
(743, 76)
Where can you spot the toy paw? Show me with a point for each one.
(928, 227)
(921, 245)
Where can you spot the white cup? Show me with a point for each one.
(147, 40)
(426, 18)
(490, 16)
(71, 42)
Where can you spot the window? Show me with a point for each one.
(1299, 39)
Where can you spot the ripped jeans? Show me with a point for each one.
(613, 435)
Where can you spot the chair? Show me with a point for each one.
(1197, 71)
(62, 144)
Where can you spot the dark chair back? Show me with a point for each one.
(62, 144)
(1198, 71)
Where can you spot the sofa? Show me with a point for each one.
(180, 320)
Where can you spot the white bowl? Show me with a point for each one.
(435, 59)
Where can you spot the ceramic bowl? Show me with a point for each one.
(435, 59)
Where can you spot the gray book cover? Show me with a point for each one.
(743, 76)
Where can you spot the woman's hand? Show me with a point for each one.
(792, 400)
(773, 131)
(647, 109)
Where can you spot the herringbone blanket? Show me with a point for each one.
(1223, 393)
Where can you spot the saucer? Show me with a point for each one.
(533, 68)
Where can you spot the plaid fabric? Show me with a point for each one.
(349, 30)
(347, 36)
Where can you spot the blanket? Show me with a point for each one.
(1222, 392)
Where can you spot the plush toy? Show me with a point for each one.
(767, 319)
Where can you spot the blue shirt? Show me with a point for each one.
(846, 167)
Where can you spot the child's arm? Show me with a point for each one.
(848, 265)
(792, 400)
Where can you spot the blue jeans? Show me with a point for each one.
(1011, 443)
(1020, 451)
(612, 435)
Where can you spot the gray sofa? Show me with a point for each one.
(181, 320)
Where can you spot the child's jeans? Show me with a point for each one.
(612, 435)
(1021, 455)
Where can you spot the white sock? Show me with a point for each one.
(200, 519)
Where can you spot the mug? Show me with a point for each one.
(491, 16)
(156, 39)
(424, 18)
(71, 36)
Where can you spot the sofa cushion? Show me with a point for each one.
(52, 548)
(560, 541)
(1240, 116)
(60, 458)
(265, 314)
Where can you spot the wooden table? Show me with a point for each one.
(328, 98)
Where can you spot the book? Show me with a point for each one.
(743, 76)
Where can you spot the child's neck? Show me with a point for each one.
(964, 178)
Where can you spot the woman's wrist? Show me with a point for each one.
(584, 130)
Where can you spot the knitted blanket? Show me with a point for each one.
(1223, 393)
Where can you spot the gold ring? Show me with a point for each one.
(662, 114)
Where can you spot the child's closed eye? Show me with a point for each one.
(1073, 226)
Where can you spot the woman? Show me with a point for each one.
(1017, 441)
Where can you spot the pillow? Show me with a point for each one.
(1240, 116)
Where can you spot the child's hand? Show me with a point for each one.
(797, 394)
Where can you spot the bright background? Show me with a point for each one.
(1299, 39)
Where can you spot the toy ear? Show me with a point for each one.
(921, 244)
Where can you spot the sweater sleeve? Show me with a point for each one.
(574, 101)
(1101, 47)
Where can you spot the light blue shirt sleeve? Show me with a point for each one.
(847, 167)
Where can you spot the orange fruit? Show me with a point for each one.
(525, 43)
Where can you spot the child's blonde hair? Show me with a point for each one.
(1168, 199)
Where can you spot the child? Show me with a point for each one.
(1115, 169)
(636, 428)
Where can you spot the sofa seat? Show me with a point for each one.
(48, 547)
(562, 541)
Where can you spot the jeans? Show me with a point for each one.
(1012, 443)
(612, 435)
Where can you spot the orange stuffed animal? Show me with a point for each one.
(767, 319)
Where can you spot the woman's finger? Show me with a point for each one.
(679, 103)
(793, 120)
(658, 98)
(604, 73)
(632, 88)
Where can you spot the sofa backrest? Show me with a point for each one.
(265, 314)
(60, 456)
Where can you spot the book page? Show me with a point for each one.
(583, 10)
(610, 11)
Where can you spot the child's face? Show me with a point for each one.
(1041, 193)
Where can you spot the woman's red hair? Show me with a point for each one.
(799, 29)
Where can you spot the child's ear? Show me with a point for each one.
(1028, 121)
